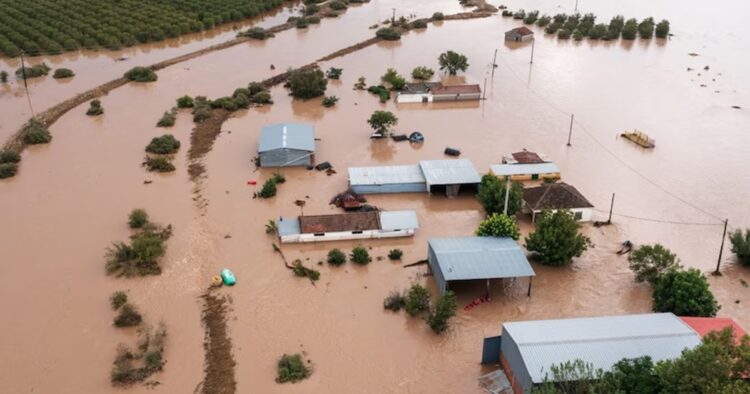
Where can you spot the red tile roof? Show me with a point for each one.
(526, 157)
(358, 221)
(457, 89)
(523, 30)
(704, 325)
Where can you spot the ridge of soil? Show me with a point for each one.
(219, 362)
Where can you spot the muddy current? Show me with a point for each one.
(71, 198)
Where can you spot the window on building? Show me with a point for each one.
(578, 215)
(320, 234)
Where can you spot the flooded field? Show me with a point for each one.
(71, 198)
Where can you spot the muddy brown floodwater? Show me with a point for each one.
(71, 198)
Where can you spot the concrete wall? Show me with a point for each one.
(413, 98)
(285, 158)
(390, 188)
(437, 274)
(513, 365)
(457, 97)
(345, 235)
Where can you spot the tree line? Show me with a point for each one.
(579, 26)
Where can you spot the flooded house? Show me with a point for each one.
(429, 176)
(476, 258)
(519, 34)
(428, 92)
(419, 92)
(527, 350)
(554, 196)
(526, 166)
(286, 144)
(344, 226)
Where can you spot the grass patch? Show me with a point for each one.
(291, 368)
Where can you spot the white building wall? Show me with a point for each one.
(345, 235)
(413, 98)
(586, 213)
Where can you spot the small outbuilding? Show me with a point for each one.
(519, 34)
(451, 175)
(419, 92)
(457, 93)
(476, 258)
(526, 172)
(387, 179)
(286, 144)
(554, 196)
(355, 225)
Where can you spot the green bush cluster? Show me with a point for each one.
(394, 302)
(168, 119)
(141, 256)
(440, 313)
(268, 189)
(334, 73)
(499, 225)
(141, 74)
(330, 101)
(417, 300)
(360, 256)
(133, 366)
(336, 257)
(395, 254)
(35, 71)
(422, 73)
(307, 83)
(383, 93)
(257, 33)
(158, 164)
(418, 24)
(185, 102)
(165, 144)
(388, 34)
(118, 299)
(51, 27)
(337, 5)
(8, 170)
(128, 316)
(95, 108)
(35, 133)
(9, 160)
(394, 79)
(61, 73)
(438, 16)
(291, 368)
(137, 218)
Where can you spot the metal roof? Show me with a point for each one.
(385, 175)
(398, 220)
(288, 226)
(449, 172)
(600, 341)
(523, 169)
(287, 135)
(465, 258)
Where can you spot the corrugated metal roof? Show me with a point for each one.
(385, 175)
(398, 220)
(601, 341)
(449, 172)
(287, 135)
(465, 258)
(288, 226)
(523, 169)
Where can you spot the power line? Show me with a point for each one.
(662, 220)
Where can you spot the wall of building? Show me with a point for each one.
(413, 98)
(437, 274)
(346, 235)
(285, 158)
(528, 177)
(586, 214)
(513, 365)
(457, 97)
(390, 188)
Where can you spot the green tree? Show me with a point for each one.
(443, 310)
(388, 34)
(291, 368)
(164, 144)
(741, 245)
(651, 261)
(662, 29)
(498, 225)
(646, 28)
(3, 76)
(634, 375)
(137, 218)
(491, 194)
(360, 256)
(417, 300)
(556, 240)
(141, 74)
(185, 102)
(422, 73)
(382, 121)
(453, 62)
(684, 293)
(307, 83)
(570, 377)
(336, 257)
(393, 78)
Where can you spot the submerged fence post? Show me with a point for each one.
(721, 250)
(570, 133)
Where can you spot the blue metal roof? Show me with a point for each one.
(398, 220)
(288, 226)
(449, 172)
(465, 258)
(287, 135)
(601, 341)
(524, 169)
(385, 175)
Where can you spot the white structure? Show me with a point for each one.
(526, 172)
(427, 92)
(357, 225)
(554, 196)
(417, 92)
(428, 176)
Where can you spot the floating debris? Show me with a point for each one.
(640, 138)
(736, 107)
(452, 152)
(693, 54)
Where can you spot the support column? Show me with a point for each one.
(529, 293)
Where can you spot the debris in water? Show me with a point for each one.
(703, 85)
(736, 107)
(148, 182)
(227, 236)
(452, 152)
(399, 137)
(330, 171)
(689, 69)
(416, 137)
(217, 344)
(743, 283)
(706, 68)
(348, 200)
(692, 54)
(323, 166)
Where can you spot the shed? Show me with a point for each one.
(419, 92)
(526, 172)
(286, 144)
(554, 196)
(473, 258)
(449, 174)
(525, 157)
(529, 348)
(520, 34)
(457, 93)
(387, 179)
(355, 225)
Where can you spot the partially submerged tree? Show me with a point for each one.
(651, 261)
(491, 195)
(141, 74)
(662, 29)
(95, 108)
(741, 245)
(62, 73)
(334, 73)
(307, 83)
(137, 218)
(291, 368)
(388, 34)
(393, 78)
(164, 144)
(417, 300)
(35, 133)
(422, 73)
(498, 225)
(360, 256)
(684, 293)
(556, 239)
(336, 257)
(382, 121)
(453, 62)
(443, 310)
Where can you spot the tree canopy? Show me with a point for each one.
(382, 121)
(498, 225)
(684, 293)
(741, 245)
(650, 261)
(556, 240)
(491, 195)
(453, 62)
(307, 83)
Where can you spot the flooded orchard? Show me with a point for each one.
(71, 198)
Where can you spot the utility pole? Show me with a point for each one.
(26, 86)
(611, 206)
(393, 18)
(484, 91)
(723, 237)
(532, 51)
(570, 133)
(576, 5)
(507, 195)
(494, 63)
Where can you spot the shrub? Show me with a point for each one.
(507, 13)
(491, 195)
(453, 62)
(419, 24)
(257, 33)
(444, 309)
(383, 93)
(165, 144)
(128, 316)
(360, 256)
(417, 300)
(8, 170)
(158, 164)
(63, 73)
(271, 227)
(35, 133)
(263, 97)
(393, 78)
(38, 70)
(649, 262)
(310, 9)
(3, 76)
(543, 21)
(137, 218)
(382, 121)
(9, 156)
(336, 257)
(662, 29)
(302, 23)
(531, 17)
(520, 14)
(118, 299)
(388, 34)
(334, 73)
(646, 28)
(741, 246)
(313, 20)
(337, 5)
(563, 34)
(255, 87)
(361, 84)
(185, 102)
(141, 74)
(598, 31)
(498, 225)
(438, 16)
(394, 302)
(148, 354)
(201, 113)
(95, 108)
(278, 177)
(552, 28)
(630, 29)
(168, 119)
(330, 101)
(268, 190)
(684, 293)
(395, 254)
(291, 368)
(304, 272)
(577, 35)
(556, 240)
(307, 83)
(141, 256)
(422, 73)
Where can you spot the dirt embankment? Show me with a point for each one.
(219, 362)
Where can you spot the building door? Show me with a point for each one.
(491, 350)
(534, 177)
(424, 99)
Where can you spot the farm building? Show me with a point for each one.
(519, 34)
(476, 258)
(554, 196)
(427, 176)
(420, 92)
(525, 157)
(357, 225)
(706, 325)
(286, 144)
(526, 350)
(526, 172)
(427, 92)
